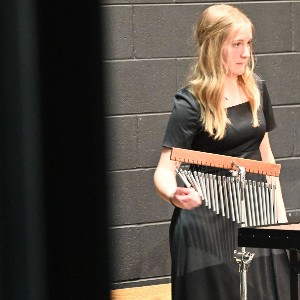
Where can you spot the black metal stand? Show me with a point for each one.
(294, 273)
(243, 258)
(279, 236)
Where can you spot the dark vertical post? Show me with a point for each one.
(22, 254)
(53, 234)
(72, 113)
(294, 273)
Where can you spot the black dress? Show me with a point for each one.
(202, 242)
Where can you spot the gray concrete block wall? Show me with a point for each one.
(149, 50)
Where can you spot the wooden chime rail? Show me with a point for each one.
(224, 161)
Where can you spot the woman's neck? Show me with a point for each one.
(233, 93)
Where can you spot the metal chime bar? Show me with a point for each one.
(223, 195)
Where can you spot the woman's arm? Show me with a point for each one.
(267, 156)
(166, 185)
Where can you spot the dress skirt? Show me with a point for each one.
(203, 265)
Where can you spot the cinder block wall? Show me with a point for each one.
(149, 49)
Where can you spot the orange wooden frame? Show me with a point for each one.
(225, 162)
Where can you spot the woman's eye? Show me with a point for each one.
(238, 44)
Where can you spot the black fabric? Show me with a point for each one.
(185, 131)
(202, 243)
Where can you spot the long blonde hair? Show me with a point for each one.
(207, 76)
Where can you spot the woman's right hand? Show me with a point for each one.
(166, 186)
(186, 198)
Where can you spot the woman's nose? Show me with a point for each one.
(246, 51)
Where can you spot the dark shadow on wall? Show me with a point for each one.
(53, 198)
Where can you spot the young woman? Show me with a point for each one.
(224, 109)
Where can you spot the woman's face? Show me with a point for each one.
(237, 50)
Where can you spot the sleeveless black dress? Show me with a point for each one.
(202, 242)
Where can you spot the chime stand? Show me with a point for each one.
(242, 258)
